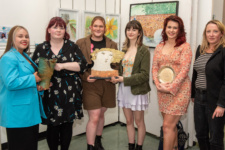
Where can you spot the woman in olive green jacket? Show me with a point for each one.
(134, 83)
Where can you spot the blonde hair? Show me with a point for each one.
(117, 55)
(11, 39)
(205, 43)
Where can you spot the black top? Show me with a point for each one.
(63, 101)
(215, 78)
(98, 44)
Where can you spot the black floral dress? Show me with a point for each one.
(62, 102)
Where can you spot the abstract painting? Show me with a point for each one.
(71, 17)
(151, 16)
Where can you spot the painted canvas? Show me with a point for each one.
(71, 17)
(151, 16)
(88, 17)
(112, 26)
(4, 31)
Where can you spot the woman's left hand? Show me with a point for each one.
(59, 66)
(40, 88)
(116, 79)
(219, 112)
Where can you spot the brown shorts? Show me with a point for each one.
(98, 94)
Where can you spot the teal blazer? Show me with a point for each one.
(19, 101)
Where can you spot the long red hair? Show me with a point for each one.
(181, 37)
(58, 21)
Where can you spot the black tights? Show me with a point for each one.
(59, 135)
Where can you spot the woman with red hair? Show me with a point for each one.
(63, 101)
(175, 54)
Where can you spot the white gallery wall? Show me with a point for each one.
(35, 14)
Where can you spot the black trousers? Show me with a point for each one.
(209, 132)
(23, 138)
(59, 135)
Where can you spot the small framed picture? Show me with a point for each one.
(71, 17)
(113, 27)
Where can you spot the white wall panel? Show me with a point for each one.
(90, 5)
(218, 10)
(100, 6)
(79, 4)
(110, 6)
(67, 4)
(53, 7)
(204, 15)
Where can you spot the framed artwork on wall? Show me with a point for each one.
(113, 27)
(4, 31)
(87, 18)
(151, 16)
(71, 17)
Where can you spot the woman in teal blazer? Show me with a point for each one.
(19, 102)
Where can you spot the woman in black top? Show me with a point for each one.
(63, 101)
(208, 87)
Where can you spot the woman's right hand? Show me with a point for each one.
(37, 78)
(162, 87)
(90, 80)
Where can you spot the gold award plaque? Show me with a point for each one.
(166, 74)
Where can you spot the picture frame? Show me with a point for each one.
(113, 27)
(72, 19)
(151, 16)
(4, 32)
(87, 18)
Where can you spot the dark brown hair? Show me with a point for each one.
(135, 25)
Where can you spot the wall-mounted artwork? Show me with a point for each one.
(113, 27)
(4, 31)
(151, 16)
(71, 17)
(88, 17)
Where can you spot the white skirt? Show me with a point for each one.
(128, 100)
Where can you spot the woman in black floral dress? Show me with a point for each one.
(63, 101)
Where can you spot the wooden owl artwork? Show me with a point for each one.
(102, 59)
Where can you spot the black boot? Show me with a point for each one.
(90, 147)
(98, 143)
(138, 147)
(131, 146)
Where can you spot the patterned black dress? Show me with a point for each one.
(63, 101)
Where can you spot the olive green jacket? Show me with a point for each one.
(139, 79)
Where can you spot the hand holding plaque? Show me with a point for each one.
(102, 59)
(166, 74)
(45, 71)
